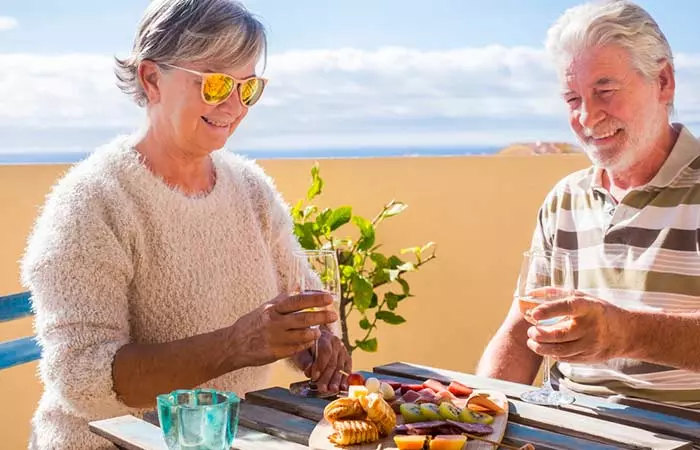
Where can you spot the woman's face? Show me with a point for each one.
(178, 115)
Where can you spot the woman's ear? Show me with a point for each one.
(149, 76)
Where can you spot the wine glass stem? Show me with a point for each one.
(546, 380)
(314, 352)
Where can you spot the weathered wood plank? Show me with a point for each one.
(585, 427)
(131, 433)
(281, 399)
(276, 423)
(614, 413)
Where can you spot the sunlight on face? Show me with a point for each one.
(189, 121)
(616, 113)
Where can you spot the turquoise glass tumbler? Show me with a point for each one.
(198, 419)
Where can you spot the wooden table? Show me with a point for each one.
(273, 419)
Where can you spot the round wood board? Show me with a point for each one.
(319, 437)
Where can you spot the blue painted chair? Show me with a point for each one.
(22, 350)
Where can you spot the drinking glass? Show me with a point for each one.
(198, 419)
(545, 276)
(315, 271)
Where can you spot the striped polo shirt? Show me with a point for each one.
(642, 253)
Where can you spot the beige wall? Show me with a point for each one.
(479, 210)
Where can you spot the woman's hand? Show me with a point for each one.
(332, 358)
(278, 330)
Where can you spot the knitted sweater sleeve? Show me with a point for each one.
(78, 272)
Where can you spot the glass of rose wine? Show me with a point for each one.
(545, 276)
(315, 271)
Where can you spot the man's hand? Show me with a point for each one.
(593, 331)
(332, 358)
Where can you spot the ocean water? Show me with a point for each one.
(16, 157)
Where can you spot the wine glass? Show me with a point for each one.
(545, 276)
(315, 270)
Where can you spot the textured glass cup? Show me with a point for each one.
(198, 419)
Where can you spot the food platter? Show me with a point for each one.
(426, 416)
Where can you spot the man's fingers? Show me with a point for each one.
(568, 307)
(560, 333)
(303, 300)
(556, 351)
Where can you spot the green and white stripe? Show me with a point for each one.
(643, 254)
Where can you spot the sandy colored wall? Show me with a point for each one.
(479, 210)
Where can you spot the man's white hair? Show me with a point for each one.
(613, 22)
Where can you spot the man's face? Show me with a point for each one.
(616, 113)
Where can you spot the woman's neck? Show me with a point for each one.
(190, 173)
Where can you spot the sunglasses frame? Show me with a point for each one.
(236, 84)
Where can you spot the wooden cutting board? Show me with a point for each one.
(319, 436)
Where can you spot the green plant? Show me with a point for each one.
(366, 274)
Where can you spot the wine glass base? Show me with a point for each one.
(547, 397)
(309, 390)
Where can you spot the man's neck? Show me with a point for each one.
(618, 181)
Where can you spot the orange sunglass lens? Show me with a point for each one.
(250, 91)
(216, 88)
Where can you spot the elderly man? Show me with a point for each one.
(631, 222)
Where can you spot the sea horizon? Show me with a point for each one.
(53, 156)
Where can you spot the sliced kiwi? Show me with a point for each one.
(411, 413)
(449, 411)
(430, 411)
(470, 416)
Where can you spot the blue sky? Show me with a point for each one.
(370, 58)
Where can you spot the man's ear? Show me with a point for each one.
(149, 75)
(667, 84)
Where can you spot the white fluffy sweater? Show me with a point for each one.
(117, 256)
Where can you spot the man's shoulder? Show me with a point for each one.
(572, 184)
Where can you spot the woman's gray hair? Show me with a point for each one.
(617, 22)
(222, 33)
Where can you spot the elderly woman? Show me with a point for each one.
(160, 263)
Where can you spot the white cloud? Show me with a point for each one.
(8, 23)
(393, 96)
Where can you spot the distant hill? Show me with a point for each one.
(539, 148)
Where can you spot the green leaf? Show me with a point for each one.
(404, 285)
(367, 234)
(379, 260)
(414, 250)
(322, 219)
(392, 300)
(362, 291)
(395, 262)
(339, 217)
(309, 210)
(390, 318)
(394, 208)
(364, 324)
(374, 302)
(296, 210)
(380, 277)
(305, 234)
(348, 271)
(368, 345)
(316, 184)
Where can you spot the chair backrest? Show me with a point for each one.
(22, 350)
